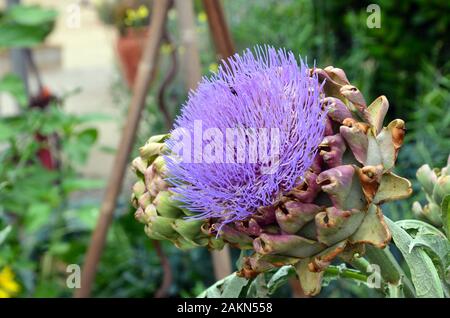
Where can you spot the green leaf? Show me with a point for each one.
(25, 26)
(423, 272)
(37, 216)
(433, 242)
(4, 233)
(438, 249)
(232, 288)
(81, 219)
(77, 184)
(280, 278)
(13, 85)
(6, 132)
(31, 15)
(419, 226)
(229, 287)
(88, 136)
(90, 117)
(59, 248)
(445, 209)
(16, 35)
(77, 148)
(438, 246)
(211, 292)
(258, 288)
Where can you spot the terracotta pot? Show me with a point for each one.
(129, 50)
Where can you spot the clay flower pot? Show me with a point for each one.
(129, 50)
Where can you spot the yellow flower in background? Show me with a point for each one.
(213, 67)
(167, 48)
(142, 12)
(132, 15)
(8, 285)
(202, 17)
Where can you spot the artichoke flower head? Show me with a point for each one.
(270, 156)
(436, 186)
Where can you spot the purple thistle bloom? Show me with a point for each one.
(261, 89)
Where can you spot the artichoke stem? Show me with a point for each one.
(346, 273)
(391, 271)
(360, 264)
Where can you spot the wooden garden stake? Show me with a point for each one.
(219, 30)
(189, 53)
(192, 72)
(146, 74)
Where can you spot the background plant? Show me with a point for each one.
(384, 60)
(124, 14)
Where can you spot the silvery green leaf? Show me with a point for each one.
(423, 272)
(214, 291)
(229, 287)
(280, 278)
(438, 248)
(445, 208)
(258, 287)
(232, 287)
(211, 293)
(420, 226)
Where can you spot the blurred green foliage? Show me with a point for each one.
(23, 26)
(385, 60)
(50, 215)
(428, 138)
(34, 198)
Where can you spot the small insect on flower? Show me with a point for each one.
(247, 135)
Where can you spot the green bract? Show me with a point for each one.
(436, 185)
(162, 217)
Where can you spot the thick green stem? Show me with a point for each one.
(360, 264)
(391, 272)
(346, 273)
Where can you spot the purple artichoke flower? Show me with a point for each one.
(300, 181)
(259, 94)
